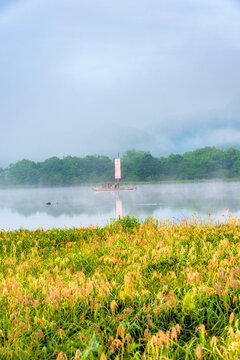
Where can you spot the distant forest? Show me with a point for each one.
(206, 163)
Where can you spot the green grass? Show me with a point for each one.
(129, 290)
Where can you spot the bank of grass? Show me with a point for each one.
(125, 291)
(123, 182)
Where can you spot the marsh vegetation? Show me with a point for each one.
(129, 290)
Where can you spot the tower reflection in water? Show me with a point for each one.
(118, 208)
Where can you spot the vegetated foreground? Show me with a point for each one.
(125, 291)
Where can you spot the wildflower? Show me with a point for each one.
(231, 318)
(52, 326)
(233, 346)
(178, 328)
(120, 331)
(81, 336)
(235, 283)
(127, 339)
(231, 332)
(98, 328)
(146, 334)
(113, 305)
(174, 334)
(149, 319)
(62, 356)
(40, 334)
(39, 321)
(238, 335)
(61, 332)
(23, 326)
(224, 350)
(77, 355)
(201, 329)
(213, 341)
(199, 352)
(116, 344)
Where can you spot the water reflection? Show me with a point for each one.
(119, 212)
(72, 206)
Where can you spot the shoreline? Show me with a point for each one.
(152, 182)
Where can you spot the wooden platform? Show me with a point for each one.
(117, 189)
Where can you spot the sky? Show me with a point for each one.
(81, 77)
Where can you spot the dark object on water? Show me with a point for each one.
(48, 203)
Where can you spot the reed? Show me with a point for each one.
(130, 290)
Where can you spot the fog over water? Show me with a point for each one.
(75, 206)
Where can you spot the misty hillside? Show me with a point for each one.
(206, 163)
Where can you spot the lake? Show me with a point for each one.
(81, 206)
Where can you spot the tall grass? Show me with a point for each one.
(153, 290)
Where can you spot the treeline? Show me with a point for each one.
(206, 163)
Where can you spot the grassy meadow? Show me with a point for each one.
(130, 290)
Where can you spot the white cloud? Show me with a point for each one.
(149, 65)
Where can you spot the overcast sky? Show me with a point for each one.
(84, 77)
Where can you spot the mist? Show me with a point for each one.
(81, 206)
(90, 77)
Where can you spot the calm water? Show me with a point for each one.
(75, 206)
